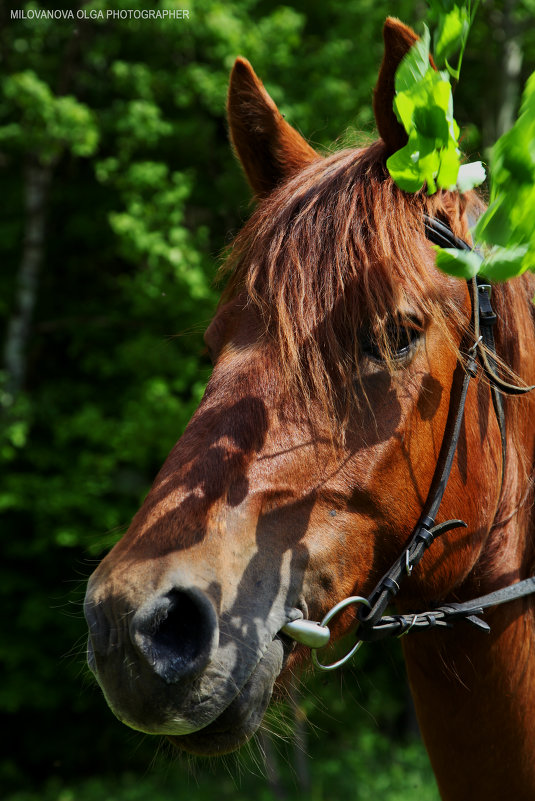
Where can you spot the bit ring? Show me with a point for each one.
(353, 599)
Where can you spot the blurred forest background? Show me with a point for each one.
(119, 193)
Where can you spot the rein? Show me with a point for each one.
(373, 624)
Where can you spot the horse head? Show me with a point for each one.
(336, 350)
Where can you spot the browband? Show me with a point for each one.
(441, 234)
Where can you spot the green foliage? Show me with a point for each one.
(461, 263)
(424, 106)
(352, 739)
(451, 35)
(357, 773)
(506, 229)
(130, 118)
(507, 225)
(151, 230)
(46, 124)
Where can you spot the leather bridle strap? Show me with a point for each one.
(425, 532)
(373, 625)
(447, 614)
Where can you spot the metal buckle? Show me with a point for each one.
(471, 364)
(353, 599)
(409, 627)
(475, 346)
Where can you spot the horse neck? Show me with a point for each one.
(474, 699)
(475, 693)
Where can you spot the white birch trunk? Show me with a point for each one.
(36, 184)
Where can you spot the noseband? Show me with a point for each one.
(372, 623)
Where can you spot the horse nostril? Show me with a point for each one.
(176, 633)
(182, 627)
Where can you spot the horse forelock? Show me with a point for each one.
(336, 251)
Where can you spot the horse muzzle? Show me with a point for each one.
(149, 660)
(171, 667)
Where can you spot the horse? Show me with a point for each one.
(339, 351)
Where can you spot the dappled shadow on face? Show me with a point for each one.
(208, 464)
(271, 582)
(429, 397)
(381, 411)
(250, 655)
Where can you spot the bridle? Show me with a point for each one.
(373, 624)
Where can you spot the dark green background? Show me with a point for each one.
(122, 124)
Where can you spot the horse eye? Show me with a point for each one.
(398, 341)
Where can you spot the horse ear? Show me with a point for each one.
(269, 149)
(398, 39)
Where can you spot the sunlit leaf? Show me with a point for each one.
(460, 263)
(431, 122)
(452, 32)
(504, 263)
(414, 66)
(507, 225)
(493, 226)
(449, 166)
(404, 168)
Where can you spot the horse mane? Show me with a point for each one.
(512, 301)
(333, 253)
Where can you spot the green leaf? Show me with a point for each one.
(493, 226)
(415, 64)
(442, 96)
(449, 166)
(424, 106)
(451, 34)
(432, 123)
(405, 171)
(404, 107)
(429, 162)
(522, 203)
(460, 263)
(507, 225)
(504, 263)
(513, 155)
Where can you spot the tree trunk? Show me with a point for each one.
(511, 69)
(37, 179)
